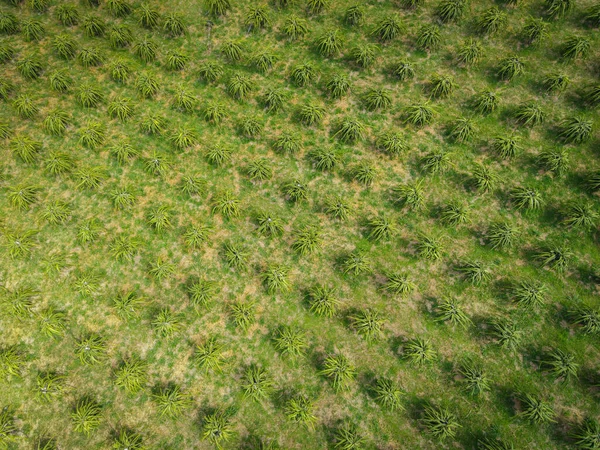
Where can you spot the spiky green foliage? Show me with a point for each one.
(159, 218)
(153, 124)
(430, 247)
(93, 25)
(299, 409)
(90, 348)
(161, 269)
(441, 86)
(307, 240)
(256, 384)
(239, 86)
(454, 214)
(388, 28)
(303, 74)
(123, 248)
(437, 161)
(339, 370)
(148, 17)
(295, 191)
(451, 312)
(403, 70)
(486, 102)
(67, 14)
(429, 37)
(274, 99)
(338, 85)
(587, 435)
(209, 355)
(217, 7)
(388, 394)
(251, 127)
(410, 195)
(510, 68)
(166, 323)
(56, 123)
(492, 21)
(52, 322)
(30, 68)
(354, 15)
(451, 10)
(268, 225)
(581, 215)
(232, 50)
(89, 95)
(217, 428)
(32, 30)
(86, 416)
(555, 257)
(25, 148)
(275, 278)
(200, 292)
(392, 143)
(462, 130)
(419, 114)
(311, 114)
(324, 158)
(64, 46)
(227, 204)
(127, 304)
(356, 263)
(576, 47)
(49, 385)
(591, 95)
(348, 437)
(120, 36)
(502, 235)
(236, 256)
(506, 146)
(9, 24)
(257, 18)
(176, 60)
(173, 24)
(21, 301)
(556, 9)
(507, 333)
(295, 27)
(440, 422)
(536, 410)
(118, 8)
(123, 152)
(329, 43)
(92, 134)
(350, 130)
(6, 53)
(8, 427)
(399, 284)
(364, 172)
(120, 108)
(88, 231)
(323, 301)
(484, 178)
(146, 85)
(263, 61)
(561, 365)
(380, 228)
(185, 101)
(470, 52)
(25, 106)
(131, 375)
(11, 361)
(530, 114)
(119, 70)
(535, 31)
(377, 98)
(243, 314)
(368, 323)
(291, 341)
(128, 440)
(527, 198)
(171, 401)
(90, 57)
(530, 294)
(217, 155)
(210, 71)
(593, 15)
(89, 177)
(56, 212)
(145, 50)
(419, 351)
(86, 283)
(575, 130)
(316, 6)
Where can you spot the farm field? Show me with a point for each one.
(299, 224)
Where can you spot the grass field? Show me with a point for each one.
(300, 224)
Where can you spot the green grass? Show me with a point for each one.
(309, 224)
